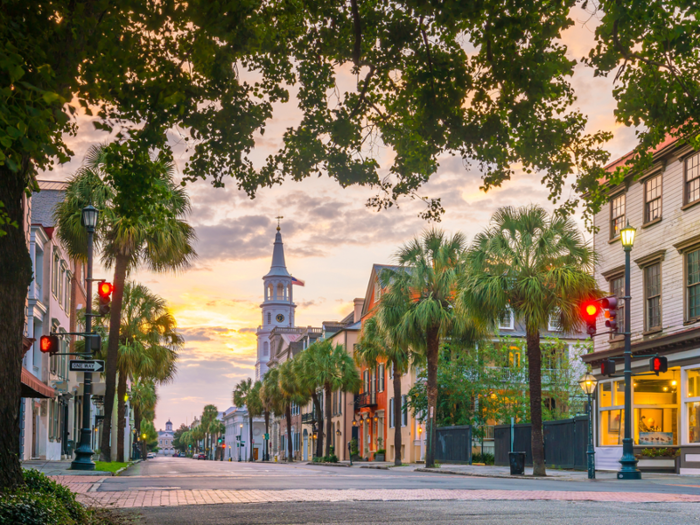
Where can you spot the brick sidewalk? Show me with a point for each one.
(159, 498)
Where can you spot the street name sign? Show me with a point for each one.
(87, 366)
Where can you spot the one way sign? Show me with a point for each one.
(87, 366)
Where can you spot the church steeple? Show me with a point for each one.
(278, 268)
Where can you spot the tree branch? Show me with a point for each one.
(357, 25)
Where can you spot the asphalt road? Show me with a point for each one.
(416, 512)
(188, 474)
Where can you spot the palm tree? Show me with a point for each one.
(157, 237)
(534, 267)
(148, 345)
(305, 374)
(246, 394)
(290, 394)
(143, 400)
(267, 402)
(418, 306)
(333, 369)
(209, 425)
(379, 343)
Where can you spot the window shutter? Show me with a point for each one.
(391, 413)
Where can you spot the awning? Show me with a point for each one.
(32, 387)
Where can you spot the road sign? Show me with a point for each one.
(238, 438)
(87, 366)
(266, 436)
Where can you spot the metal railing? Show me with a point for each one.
(366, 399)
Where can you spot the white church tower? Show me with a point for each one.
(278, 305)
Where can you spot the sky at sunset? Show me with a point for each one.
(331, 240)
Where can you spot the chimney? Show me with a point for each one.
(359, 303)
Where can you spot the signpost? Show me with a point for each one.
(87, 366)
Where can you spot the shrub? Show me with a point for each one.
(484, 458)
(28, 507)
(332, 458)
(36, 481)
(380, 451)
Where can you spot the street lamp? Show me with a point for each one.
(629, 468)
(83, 454)
(588, 383)
(240, 441)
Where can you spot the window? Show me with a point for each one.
(554, 323)
(54, 274)
(269, 318)
(507, 322)
(693, 404)
(61, 286)
(692, 179)
(404, 412)
(266, 348)
(693, 283)
(617, 215)
(365, 381)
(652, 296)
(69, 288)
(612, 415)
(652, 199)
(391, 413)
(617, 288)
(381, 377)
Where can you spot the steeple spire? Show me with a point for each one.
(278, 268)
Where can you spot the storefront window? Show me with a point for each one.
(693, 404)
(656, 410)
(605, 394)
(694, 422)
(612, 427)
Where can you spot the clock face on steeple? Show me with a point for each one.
(280, 318)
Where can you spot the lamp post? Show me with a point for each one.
(588, 383)
(240, 441)
(629, 468)
(83, 454)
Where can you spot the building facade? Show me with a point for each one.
(663, 204)
(165, 440)
(237, 438)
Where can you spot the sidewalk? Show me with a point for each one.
(504, 472)
(60, 468)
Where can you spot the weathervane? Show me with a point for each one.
(279, 218)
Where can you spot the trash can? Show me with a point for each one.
(517, 463)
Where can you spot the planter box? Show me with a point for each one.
(379, 457)
(667, 463)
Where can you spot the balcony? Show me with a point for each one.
(366, 399)
(309, 418)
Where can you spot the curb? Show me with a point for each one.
(497, 476)
(116, 473)
(375, 467)
(328, 465)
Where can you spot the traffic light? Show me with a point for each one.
(104, 290)
(607, 367)
(49, 344)
(219, 441)
(590, 310)
(658, 365)
(94, 342)
(609, 304)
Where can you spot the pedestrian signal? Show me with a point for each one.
(49, 344)
(609, 304)
(607, 367)
(104, 290)
(658, 365)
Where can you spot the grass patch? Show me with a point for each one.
(109, 466)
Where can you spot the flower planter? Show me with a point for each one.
(657, 463)
(379, 457)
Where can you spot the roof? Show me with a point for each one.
(52, 185)
(622, 161)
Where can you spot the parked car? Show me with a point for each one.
(200, 456)
(151, 455)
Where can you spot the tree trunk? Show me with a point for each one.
(290, 445)
(397, 417)
(121, 416)
(120, 268)
(319, 416)
(266, 456)
(250, 422)
(137, 422)
(327, 407)
(432, 353)
(15, 278)
(534, 361)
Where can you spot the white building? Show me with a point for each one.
(278, 304)
(165, 440)
(663, 204)
(237, 427)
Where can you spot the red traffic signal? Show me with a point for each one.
(49, 344)
(658, 365)
(590, 310)
(104, 290)
(607, 367)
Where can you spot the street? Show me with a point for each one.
(181, 490)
